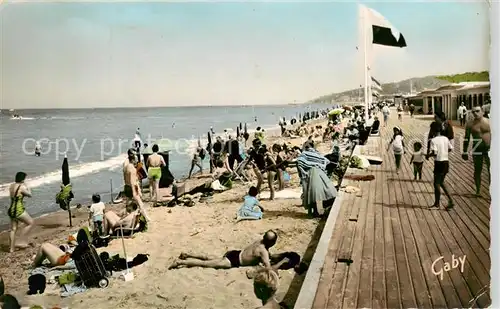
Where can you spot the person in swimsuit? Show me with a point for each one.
(155, 163)
(53, 254)
(197, 161)
(281, 165)
(17, 212)
(132, 188)
(479, 132)
(137, 139)
(38, 150)
(252, 255)
(263, 163)
(113, 221)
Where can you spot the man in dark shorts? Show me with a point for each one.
(478, 133)
(252, 255)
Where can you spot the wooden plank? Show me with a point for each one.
(345, 250)
(347, 233)
(353, 280)
(379, 287)
(425, 252)
(391, 269)
(411, 275)
(365, 291)
(448, 244)
(339, 280)
(442, 234)
(397, 239)
(326, 279)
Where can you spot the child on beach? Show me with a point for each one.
(398, 146)
(96, 213)
(440, 146)
(251, 208)
(418, 160)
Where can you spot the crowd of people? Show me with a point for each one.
(230, 160)
(440, 142)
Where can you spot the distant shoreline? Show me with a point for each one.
(149, 107)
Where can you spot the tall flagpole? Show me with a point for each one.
(365, 66)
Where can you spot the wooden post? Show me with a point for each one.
(111, 189)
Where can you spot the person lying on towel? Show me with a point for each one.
(55, 255)
(252, 255)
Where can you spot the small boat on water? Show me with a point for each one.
(16, 117)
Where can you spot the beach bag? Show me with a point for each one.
(84, 235)
(226, 180)
(36, 284)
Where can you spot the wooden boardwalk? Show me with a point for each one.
(384, 241)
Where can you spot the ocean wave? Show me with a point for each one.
(23, 118)
(63, 118)
(75, 171)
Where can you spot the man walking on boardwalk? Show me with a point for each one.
(385, 113)
(461, 113)
(479, 129)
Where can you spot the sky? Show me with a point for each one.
(76, 55)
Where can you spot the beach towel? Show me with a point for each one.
(226, 179)
(317, 187)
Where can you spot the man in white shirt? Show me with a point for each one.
(461, 113)
(386, 112)
(440, 146)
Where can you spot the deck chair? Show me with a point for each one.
(239, 171)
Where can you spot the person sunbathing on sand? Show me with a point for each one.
(252, 255)
(113, 221)
(282, 261)
(53, 254)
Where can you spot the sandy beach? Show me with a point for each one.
(208, 228)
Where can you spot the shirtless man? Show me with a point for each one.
(479, 128)
(131, 188)
(252, 255)
(155, 163)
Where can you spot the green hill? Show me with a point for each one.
(417, 84)
(466, 77)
